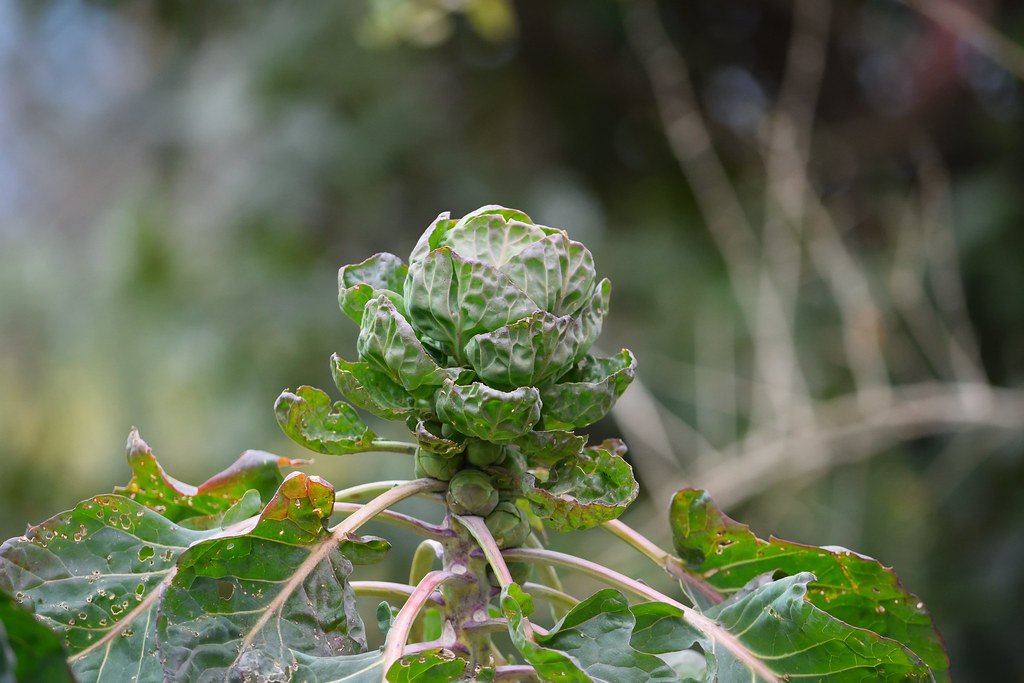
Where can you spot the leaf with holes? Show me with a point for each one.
(199, 506)
(853, 588)
(583, 490)
(308, 417)
(28, 650)
(242, 604)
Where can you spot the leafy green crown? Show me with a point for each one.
(482, 345)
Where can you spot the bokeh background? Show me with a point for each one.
(810, 211)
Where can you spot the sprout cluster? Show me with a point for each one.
(481, 344)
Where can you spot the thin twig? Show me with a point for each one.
(397, 519)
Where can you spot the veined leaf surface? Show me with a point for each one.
(358, 283)
(373, 390)
(555, 272)
(586, 394)
(527, 352)
(486, 413)
(853, 588)
(491, 238)
(389, 344)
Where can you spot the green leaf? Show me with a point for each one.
(491, 237)
(242, 604)
(375, 391)
(357, 284)
(28, 650)
(661, 628)
(93, 575)
(797, 640)
(548, 447)
(590, 644)
(389, 345)
(431, 238)
(486, 413)
(308, 417)
(430, 440)
(431, 666)
(586, 394)
(593, 313)
(851, 587)
(451, 299)
(556, 272)
(584, 490)
(199, 506)
(528, 352)
(367, 667)
(385, 617)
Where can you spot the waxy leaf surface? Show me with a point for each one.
(242, 604)
(794, 638)
(490, 238)
(850, 587)
(431, 666)
(358, 283)
(93, 575)
(199, 506)
(430, 440)
(367, 667)
(389, 345)
(556, 272)
(373, 390)
(309, 418)
(586, 394)
(528, 352)
(591, 644)
(548, 447)
(584, 490)
(451, 299)
(486, 413)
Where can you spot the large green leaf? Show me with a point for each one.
(240, 604)
(795, 639)
(586, 394)
(528, 352)
(583, 490)
(592, 315)
(388, 344)
(491, 237)
(851, 587)
(93, 575)
(28, 650)
(308, 417)
(591, 644)
(451, 299)
(199, 506)
(430, 666)
(431, 237)
(375, 391)
(367, 667)
(486, 413)
(358, 283)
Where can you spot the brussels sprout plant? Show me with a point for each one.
(482, 344)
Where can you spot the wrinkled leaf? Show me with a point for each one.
(850, 587)
(242, 604)
(548, 447)
(556, 272)
(528, 352)
(491, 238)
(486, 413)
(28, 650)
(586, 393)
(358, 283)
(590, 644)
(431, 666)
(584, 490)
(308, 417)
(794, 638)
(430, 440)
(199, 506)
(374, 391)
(591, 316)
(389, 345)
(93, 576)
(451, 299)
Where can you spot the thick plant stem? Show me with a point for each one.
(397, 519)
(663, 559)
(395, 643)
(368, 490)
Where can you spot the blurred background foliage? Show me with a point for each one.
(810, 212)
